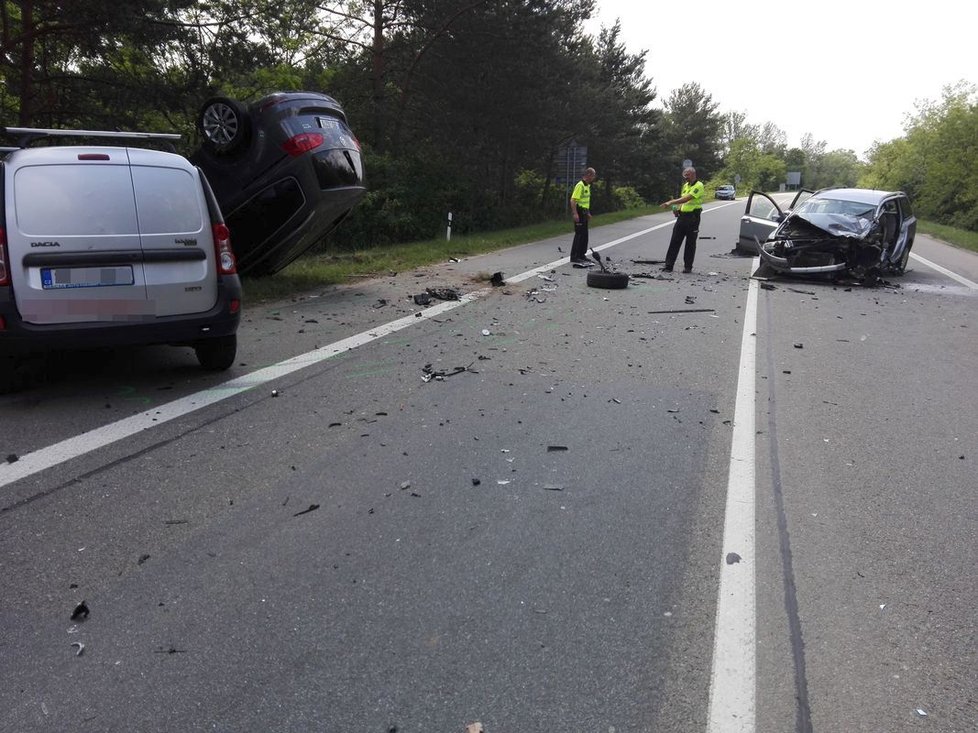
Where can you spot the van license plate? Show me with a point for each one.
(58, 278)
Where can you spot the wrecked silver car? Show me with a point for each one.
(850, 232)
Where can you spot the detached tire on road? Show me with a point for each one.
(607, 280)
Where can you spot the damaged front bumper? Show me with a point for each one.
(826, 245)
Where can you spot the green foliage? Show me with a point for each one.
(626, 197)
(937, 162)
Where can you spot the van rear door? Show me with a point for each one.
(73, 237)
(175, 233)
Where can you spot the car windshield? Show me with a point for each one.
(819, 205)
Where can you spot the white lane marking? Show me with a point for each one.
(945, 271)
(732, 696)
(79, 445)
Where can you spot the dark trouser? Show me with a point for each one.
(579, 247)
(687, 226)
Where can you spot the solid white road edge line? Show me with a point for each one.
(732, 684)
(53, 455)
(945, 271)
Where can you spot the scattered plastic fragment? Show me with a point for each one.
(768, 286)
(81, 648)
(80, 613)
(799, 346)
(552, 487)
(502, 482)
(921, 712)
(274, 393)
(428, 373)
(733, 558)
(12, 458)
(312, 508)
(476, 727)
(476, 482)
(422, 299)
(444, 293)
(486, 332)
(554, 448)
(497, 280)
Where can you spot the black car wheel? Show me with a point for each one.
(607, 280)
(217, 354)
(223, 124)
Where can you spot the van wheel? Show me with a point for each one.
(607, 280)
(223, 125)
(217, 354)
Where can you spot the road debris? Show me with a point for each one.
(733, 558)
(422, 299)
(81, 612)
(81, 648)
(312, 508)
(444, 293)
(12, 458)
(429, 373)
(497, 280)
(556, 448)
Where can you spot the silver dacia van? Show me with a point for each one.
(111, 245)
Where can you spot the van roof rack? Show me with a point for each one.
(28, 134)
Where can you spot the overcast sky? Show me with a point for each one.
(846, 71)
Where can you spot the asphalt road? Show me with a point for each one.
(324, 539)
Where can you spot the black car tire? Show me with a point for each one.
(217, 354)
(224, 125)
(607, 280)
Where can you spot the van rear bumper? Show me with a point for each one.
(18, 337)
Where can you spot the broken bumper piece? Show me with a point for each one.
(781, 264)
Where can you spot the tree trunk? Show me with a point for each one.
(27, 65)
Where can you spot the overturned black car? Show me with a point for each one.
(857, 233)
(286, 170)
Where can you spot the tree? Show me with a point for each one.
(693, 129)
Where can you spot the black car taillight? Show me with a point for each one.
(303, 143)
(222, 248)
(4, 272)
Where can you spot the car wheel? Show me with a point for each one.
(217, 354)
(223, 125)
(607, 280)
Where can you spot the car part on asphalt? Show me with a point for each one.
(286, 170)
(605, 278)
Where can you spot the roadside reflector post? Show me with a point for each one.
(448, 232)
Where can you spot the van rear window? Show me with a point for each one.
(74, 199)
(167, 200)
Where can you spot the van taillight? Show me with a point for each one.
(299, 144)
(222, 248)
(4, 273)
(93, 156)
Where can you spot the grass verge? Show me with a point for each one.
(958, 237)
(332, 268)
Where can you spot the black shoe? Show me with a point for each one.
(688, 269)
(666, 268)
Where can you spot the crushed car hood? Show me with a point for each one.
(817, 225)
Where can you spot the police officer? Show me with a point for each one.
(687, 226)
(580, 204)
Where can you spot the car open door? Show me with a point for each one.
(761, 217)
